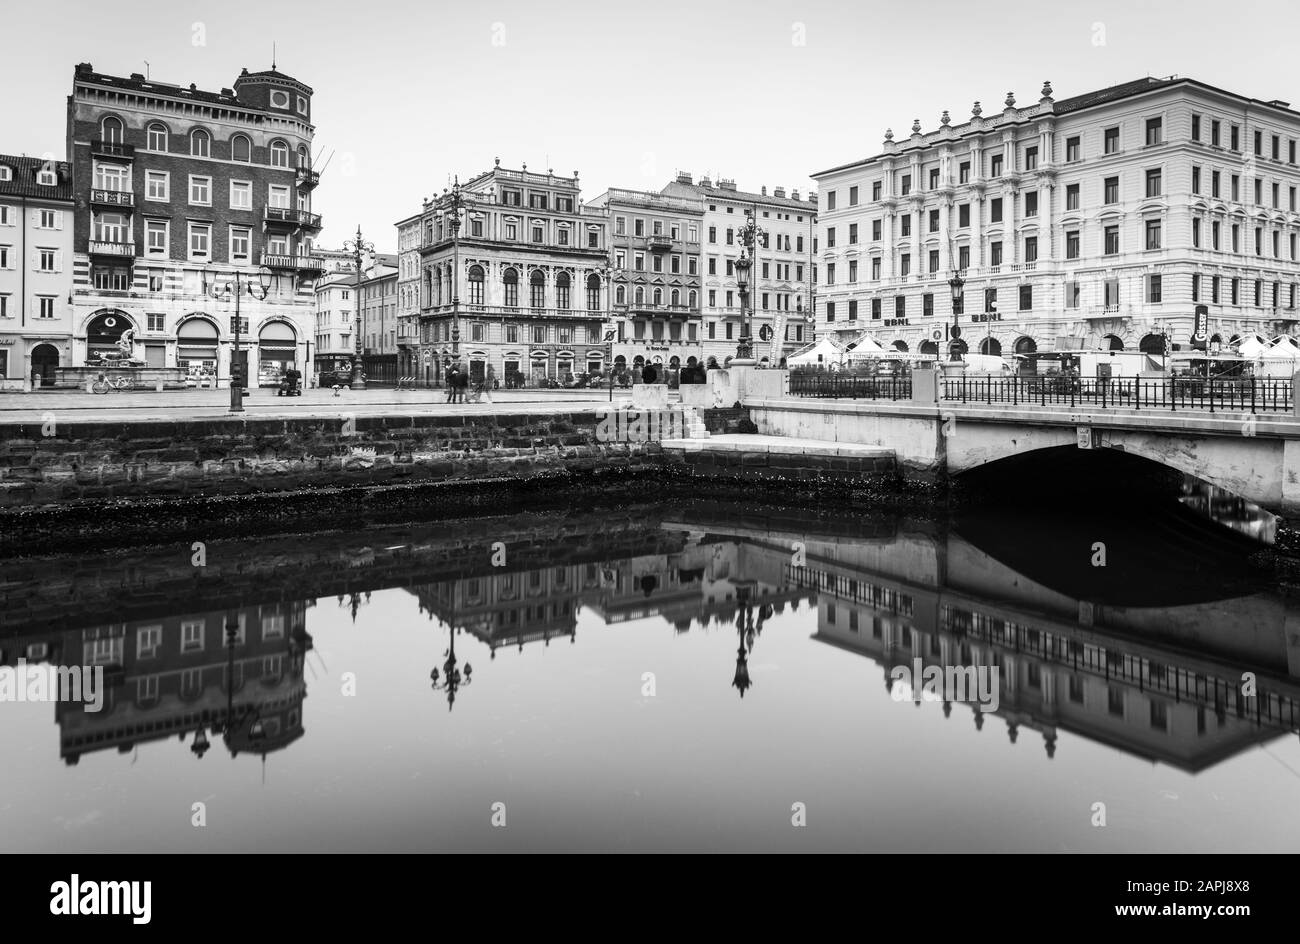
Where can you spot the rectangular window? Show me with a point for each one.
(1214, 132)
(1071, 294)
(853, 234)
(1111, 241)
(934, 261)
(1072, 149)
(1155, 131)
(155, 237)
(1153, 182)
(1072, 196)
(1026, 297)
(990, 299)
(200, 242)
(241, 242)
(200, 191)
(1214, 183)
(875, 230)
(963, 215)
(900, 306)
(1196, 179)
(1031, 203)
(875, 191)
(995, 210)
(933, 221)
(995, 253)
(1110, 190)
(1196, 127)
(1196, 232)
(830, 237)
(963, 172)
(830, 200)
(853, 308)
(853, 196)
(995, 165)
(1031, 158)
(1154, 288)
(906, 185)
(934, 178)
(1110, 141)
(1234, 138)
(1031, 249)
(156, 185)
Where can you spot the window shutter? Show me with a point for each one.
(58, 261)
(58, 219)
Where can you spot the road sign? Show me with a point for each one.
(610, 335)
(956, 332)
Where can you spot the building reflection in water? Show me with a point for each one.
(1161, 683)
(1230, 510)
(186, 676)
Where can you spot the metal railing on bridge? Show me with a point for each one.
(1245, 394)
(849, 386)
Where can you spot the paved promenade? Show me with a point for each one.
(141, 406)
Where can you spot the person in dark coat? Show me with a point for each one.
(452, 377)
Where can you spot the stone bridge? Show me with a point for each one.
(1256, 456)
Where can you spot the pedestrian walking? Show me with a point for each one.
(489, 382)
(462, 384)
(451, 384)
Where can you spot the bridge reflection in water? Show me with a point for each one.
(1145, 661)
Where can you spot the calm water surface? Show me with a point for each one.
(666, 677)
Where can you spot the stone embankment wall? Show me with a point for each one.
(61, 462)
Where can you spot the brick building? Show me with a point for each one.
(177, 192)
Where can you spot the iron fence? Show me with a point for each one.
(848, 386)
(1246, 394)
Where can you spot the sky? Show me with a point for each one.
(765, 92)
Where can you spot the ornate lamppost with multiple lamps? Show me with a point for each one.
(235, 287)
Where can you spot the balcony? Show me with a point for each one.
(115, 250)
(303, 265)
(114, 150)
(308, 178)
(659, 243)
(289, 218)
(117, 199)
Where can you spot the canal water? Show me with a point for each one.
(689, 675)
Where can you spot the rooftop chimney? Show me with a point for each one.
(705, 182)
(137, 76)
(763, 190)
(812, 198)
(780, 192)
(794, 194)
(726, 184)
(683, 177)
(84, 67)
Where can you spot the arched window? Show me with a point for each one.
(640, 295)
(658, 297)
(476, 285)
(537, 289)
(1152, 344)
(676, 298)
(620, 295)
(241, 149)
(279, 154)
(900, 346)
(991, 346)
(200, 143)
(562, 283)
(1113, 343)
(693, 298)
(929, 347)
(110, 129)
(157, 137)
(510, 281)
(428, 289)
(593, 292)
(304, 158)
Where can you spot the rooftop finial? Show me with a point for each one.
(945, 120)
(916, 126)
(889, 134)
(272, 55)
(498, 161)
(976, 110)
(1047, 90)
(1011, 99)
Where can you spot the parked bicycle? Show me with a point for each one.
(103, 384)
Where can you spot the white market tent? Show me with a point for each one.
(822, 354)
(865, 346)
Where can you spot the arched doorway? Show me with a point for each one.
(930, 347)
(196, 347)
(477, 366)
(45, 357)
(900, 346)
(991, 346)
(1113, 343)
(104, 331)
(277, 352)
(1152, 344)
(1027, 348)
(538, 367)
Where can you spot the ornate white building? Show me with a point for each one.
(1100, 220)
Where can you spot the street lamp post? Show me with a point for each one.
(232, 723)
(358, 247)
(236, 287)
(744, 350)
(958, 286)
(455, 203)
(607, 273)
(749, 238)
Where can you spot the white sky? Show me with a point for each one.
(408, 93)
